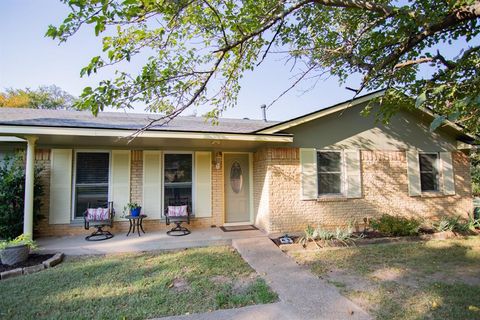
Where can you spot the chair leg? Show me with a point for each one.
(99, 235)
(178, 230)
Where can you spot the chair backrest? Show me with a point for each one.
(179, 207)
(102, 213)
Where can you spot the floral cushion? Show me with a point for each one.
(177, 211)
(97, 214)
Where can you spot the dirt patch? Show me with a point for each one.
(33, 260)
(179, 285)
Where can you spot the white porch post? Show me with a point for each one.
(29, 179)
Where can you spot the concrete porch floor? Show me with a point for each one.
(150, 241)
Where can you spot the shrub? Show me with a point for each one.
(456, 223)
(395, 225)
(344, 236)
(12, 191)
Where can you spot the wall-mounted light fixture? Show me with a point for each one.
(218, 160)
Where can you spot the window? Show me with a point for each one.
(329, 168)
(178, 179)
(91, 180)
(429, 171)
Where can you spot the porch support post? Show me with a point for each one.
(29, 180)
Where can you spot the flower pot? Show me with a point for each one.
(135, 211)
(14, 254)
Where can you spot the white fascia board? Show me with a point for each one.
(20, 131)
(319, 114)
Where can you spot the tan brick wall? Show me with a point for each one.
(43, 228)
(385, 190)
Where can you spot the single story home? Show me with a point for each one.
(331, 167)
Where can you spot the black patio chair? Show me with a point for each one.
(99, 218)
(178, 212)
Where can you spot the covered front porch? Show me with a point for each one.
(150, 241)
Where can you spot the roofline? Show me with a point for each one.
(320, 113)
(20, 131)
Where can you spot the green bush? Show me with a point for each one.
(12, 191)
(396, 226)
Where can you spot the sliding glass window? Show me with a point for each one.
(178, 179)
(91, 180)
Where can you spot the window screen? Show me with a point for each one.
(91, 180)
(329, 168)
(429, 171)
(178, 179)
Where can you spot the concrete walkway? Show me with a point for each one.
(302, 295)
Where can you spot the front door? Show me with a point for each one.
(237, 187)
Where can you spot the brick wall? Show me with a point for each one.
(385, 190)
(43, 228)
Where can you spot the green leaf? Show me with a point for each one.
(437, 122)
(422, 97)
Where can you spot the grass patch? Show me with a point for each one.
(135, 286)
(433, 280)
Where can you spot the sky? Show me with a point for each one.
(28, 59)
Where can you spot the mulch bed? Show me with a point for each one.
(33, 259)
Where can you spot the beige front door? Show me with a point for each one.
(237, 187)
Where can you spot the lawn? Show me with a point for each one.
(135, 286)
(422, 280)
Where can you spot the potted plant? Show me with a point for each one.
(16, 250)
(134, 209)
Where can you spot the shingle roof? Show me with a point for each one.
(123, 120)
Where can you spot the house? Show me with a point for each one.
(331, 167)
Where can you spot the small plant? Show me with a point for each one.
(456, 224)
(396, 226)
(20, 240)
(308, 235)
(130, 207)
(344, 236)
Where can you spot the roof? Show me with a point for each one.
(123, 120)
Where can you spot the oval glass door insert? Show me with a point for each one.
(236, 177)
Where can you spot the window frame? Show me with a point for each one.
(162, 193)
(74, 179)
(437, 168)
(342, 174)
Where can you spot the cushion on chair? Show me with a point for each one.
(97, 214)
(177, 211)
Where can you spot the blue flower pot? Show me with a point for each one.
(135, 212)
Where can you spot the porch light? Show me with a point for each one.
(218, 160)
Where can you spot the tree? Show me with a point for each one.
(12, 195)
(45, 97)
(199, 49)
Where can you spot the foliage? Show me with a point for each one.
(475, 172)
(199, 50)
(130, 206)
(23, 239)
(45, 97)
(12, 192)
(456, 224)
(395, 225)
(316, 235)
(136, 286)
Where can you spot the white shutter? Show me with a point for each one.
(353, 174)
(120, 180)
(152, 184)
(308, 163)
(448, 180)
(413, 171)
(203, 184)
(60, 186)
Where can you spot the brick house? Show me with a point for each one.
(330, 168)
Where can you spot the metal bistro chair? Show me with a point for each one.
(178, 212)
(99, 218)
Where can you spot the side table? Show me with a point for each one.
(135, 222)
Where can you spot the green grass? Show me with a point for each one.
(423, 280)
(135, 286)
